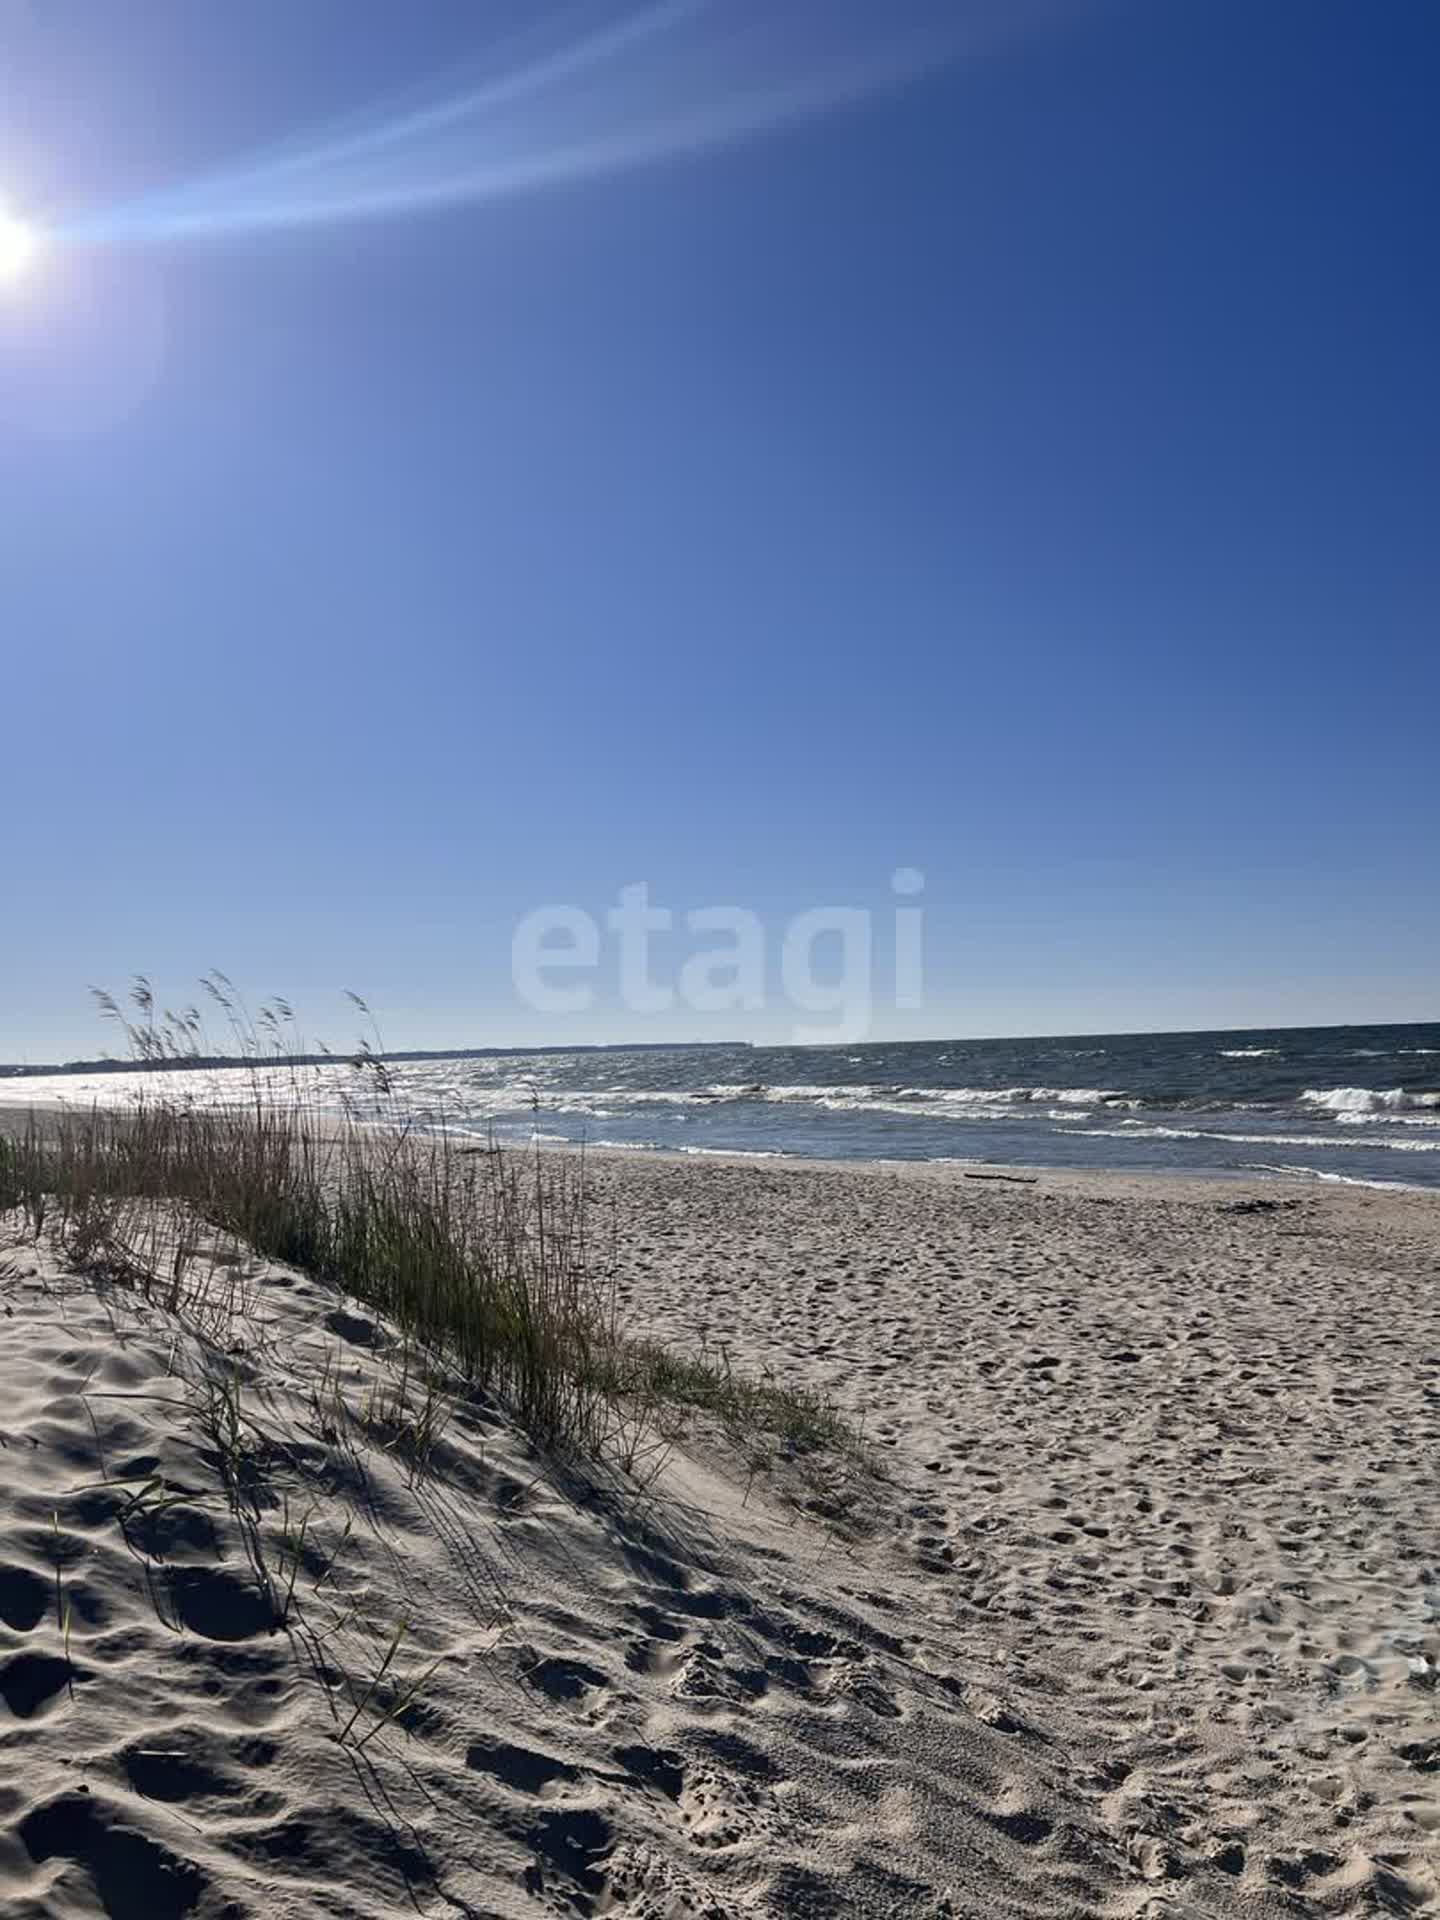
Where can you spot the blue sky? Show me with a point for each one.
(1021, 468)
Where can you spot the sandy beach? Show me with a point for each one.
(720, 1065)
(1137, 1611)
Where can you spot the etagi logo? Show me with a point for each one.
(826, 959)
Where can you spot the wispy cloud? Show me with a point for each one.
(611, 93)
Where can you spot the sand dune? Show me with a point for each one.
(1141, 1615)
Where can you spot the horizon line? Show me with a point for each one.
(220, 1062)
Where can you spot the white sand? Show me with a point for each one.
(1145, 1618)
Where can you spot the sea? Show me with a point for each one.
(1351, 1104)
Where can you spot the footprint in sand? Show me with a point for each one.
(30, 1682)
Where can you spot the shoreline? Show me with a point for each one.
(947, 1168)
(1334, 1106)
(1018, 1172)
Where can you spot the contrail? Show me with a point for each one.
(665, 80)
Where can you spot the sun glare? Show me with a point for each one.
(19, 245)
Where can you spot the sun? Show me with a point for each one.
(19, 245)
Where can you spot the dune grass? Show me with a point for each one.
(493, 1269)
(493, 1262)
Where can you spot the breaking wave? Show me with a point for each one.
(1335, 1179)
(1308, 1140)
(1203, 1102)
(1367, 1100)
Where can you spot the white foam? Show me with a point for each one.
(1249, 1053)
(1367, 1099)
(911, 1109)
(803, 1091)
(736, 1153)
(1022, 1096)
(1338, 1179)
(1140, 1130)
(947, 1102)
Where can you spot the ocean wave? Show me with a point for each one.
(803, 1090)
(1013, 1102)
(643, 1096)
(1082, 1096)
(910, 1102)
(1336, 1179)
(1366, 1099)
(912, 1110)
(1145, 1130)
(1249, 1053)
(735, 1153)
(978, 1103)
(1024, 1096)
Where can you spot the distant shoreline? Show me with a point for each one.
(208, 1063)
(401, 1056)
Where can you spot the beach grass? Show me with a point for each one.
(494, 1265)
